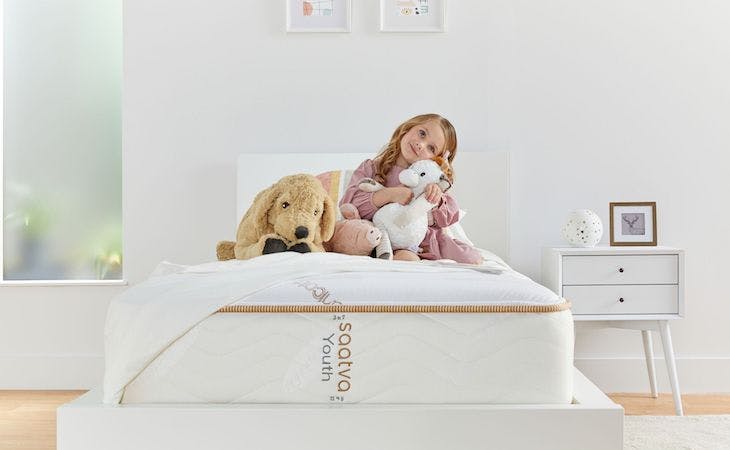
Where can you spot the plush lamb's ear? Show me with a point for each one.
(349, 211)
(369, 185)
(327, 223)
(408, 178)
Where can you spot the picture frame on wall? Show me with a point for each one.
(633, 223)
(413, 16)
(318, 16)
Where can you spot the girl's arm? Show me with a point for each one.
(362, 200)
(367, 203)
(447, 213)
(398, 194)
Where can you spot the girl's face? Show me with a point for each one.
(422, 142)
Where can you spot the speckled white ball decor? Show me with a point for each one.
(583, 228)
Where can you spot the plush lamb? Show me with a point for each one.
(405, 226)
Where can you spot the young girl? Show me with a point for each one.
(421, 137)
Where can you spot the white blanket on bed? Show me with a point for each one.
(145, 319)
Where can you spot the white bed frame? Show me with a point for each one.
(591, 421)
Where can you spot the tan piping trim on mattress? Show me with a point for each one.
(395, 308)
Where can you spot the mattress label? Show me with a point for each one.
(319, 293)
(337, 358)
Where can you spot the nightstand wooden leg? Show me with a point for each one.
(671, 365)
(649, 355)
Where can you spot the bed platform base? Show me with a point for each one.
(591, 421)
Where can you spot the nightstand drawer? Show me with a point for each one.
(620, 269)
(658, 299)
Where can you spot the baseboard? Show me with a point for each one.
(628, 374)
(51, 372)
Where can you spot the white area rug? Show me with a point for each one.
(671, 432)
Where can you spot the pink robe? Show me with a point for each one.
(437, 244)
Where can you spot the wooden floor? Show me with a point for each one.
(28, 418)
(693, 404)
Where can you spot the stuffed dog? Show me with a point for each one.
(294, 214)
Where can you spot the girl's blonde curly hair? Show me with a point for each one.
(387, 157)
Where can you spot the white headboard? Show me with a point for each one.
(481, 186)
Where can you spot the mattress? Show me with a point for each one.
(464, 337)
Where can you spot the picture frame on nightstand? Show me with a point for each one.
(633, 223)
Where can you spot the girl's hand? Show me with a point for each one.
(401, 194)
(433, 193)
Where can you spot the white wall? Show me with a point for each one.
(52, 337)
(623, 101)
(596, 101)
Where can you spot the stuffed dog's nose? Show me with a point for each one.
(301, 232)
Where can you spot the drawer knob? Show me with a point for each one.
(621, 269)
(621, 299)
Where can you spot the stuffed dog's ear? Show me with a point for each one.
(327, 223)
(262, 205)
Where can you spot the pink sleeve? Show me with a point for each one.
(447, 213)
(362, 200)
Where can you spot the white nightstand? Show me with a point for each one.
(639, 288)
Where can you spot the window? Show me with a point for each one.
(61, 154)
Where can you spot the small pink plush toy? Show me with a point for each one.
(353, 235)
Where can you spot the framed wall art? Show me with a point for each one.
(415, 16)
(633, 223)
(318, 16)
